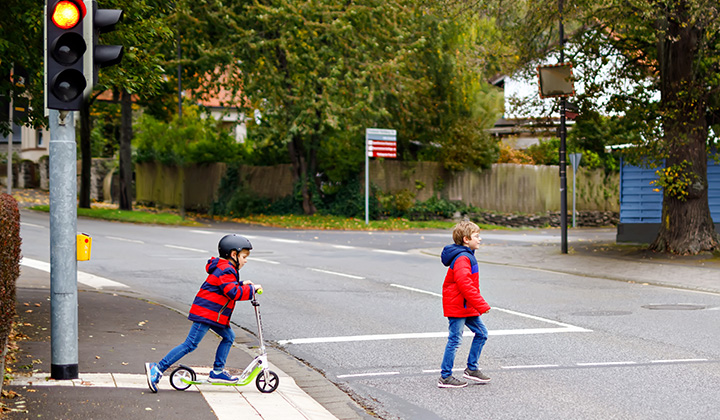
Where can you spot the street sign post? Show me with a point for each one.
(575, 161)
(382, 143)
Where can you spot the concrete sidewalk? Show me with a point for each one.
(117, 334)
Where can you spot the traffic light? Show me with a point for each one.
(65, 47)
(100, 21)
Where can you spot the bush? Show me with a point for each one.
(191, 139)
(9, 266)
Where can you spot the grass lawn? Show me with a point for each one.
(153, 216)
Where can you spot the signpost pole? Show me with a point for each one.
(367, 180)
(379, 142)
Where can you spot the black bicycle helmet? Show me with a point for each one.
(230, 242)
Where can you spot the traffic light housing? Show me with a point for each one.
(65, 48)
(100, 21)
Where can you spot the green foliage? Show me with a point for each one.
(546, 152)
(435, 209)
(191, 139)
(9, 262)
(21, 44)
(450, 106)
(676, 180)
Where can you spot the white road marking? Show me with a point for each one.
(679, 361)
(184, 248)
(262, 260)
(343, 246)
(135, 241)
(508, 311)
(387, 251)
(357, 375)
(564, 328)
(203, 232)
(606, 363)
(84, 278)
(412, 289)
(285, 241)
(31, 225)
(440, 370)
(441, 334)
(529, 367)
(335, 273)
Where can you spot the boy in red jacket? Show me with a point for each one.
(212, 308)
(463, 304)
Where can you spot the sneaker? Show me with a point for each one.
(476, 375)
(153, 376)
(451, 382)
(222, 377)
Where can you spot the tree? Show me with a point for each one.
(445, 114)
(142, 31)
(21, 44)
(668, 54)
(315, 69)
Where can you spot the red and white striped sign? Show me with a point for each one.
(381, 143)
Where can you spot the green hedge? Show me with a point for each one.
(9, 261)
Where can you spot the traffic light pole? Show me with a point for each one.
(63, 246)
(563, 150)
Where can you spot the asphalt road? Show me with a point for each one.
(364, 309)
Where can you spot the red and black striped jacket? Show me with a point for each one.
(215, 301)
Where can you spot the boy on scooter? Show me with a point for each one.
(212, 309)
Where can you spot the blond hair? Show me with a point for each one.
(464, 229)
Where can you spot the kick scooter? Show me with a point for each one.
(266, 380)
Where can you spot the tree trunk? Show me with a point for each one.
(85, 155)
(126, 166)
(302, 175)
(687, 226)
(4, 344)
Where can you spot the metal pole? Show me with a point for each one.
(574, 213)
(367, 181)
(10, 137)
(10, 149)
(179, 74)
(63, 246)
(563, 160)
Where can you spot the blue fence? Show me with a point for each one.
(639, 203)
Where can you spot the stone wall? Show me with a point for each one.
(582, 219)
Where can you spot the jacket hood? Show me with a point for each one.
(215, 263)
(451, 251)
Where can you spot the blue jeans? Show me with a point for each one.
(196, 334)
(455, 338)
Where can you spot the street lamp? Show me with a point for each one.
(556, 81)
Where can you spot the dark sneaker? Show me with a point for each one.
(222, 377)
(153, 376)
(476, 376)
(451, 382)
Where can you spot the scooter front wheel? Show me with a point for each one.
(182, 377)
(269, 385)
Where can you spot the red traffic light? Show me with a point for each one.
(67, 13)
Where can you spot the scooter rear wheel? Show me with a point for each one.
(177, 376)
(267, 386)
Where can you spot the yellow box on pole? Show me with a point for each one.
(84, 244)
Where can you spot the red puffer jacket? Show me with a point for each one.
(461, 290)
